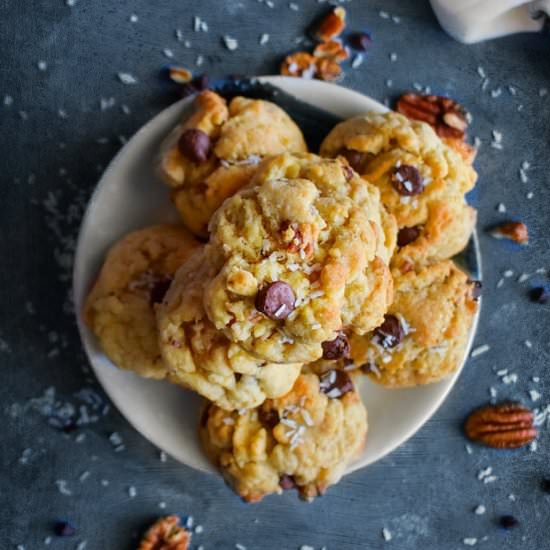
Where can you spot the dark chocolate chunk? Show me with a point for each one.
(336, 383)
(390, 333)
(194, 144)
(276, 300)
(337, 348)
(407, 180)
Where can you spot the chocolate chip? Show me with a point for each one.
(355, 159)
(508, 522)
(64, 529)
(337, 348)
(287, 482)
(390, 333)
(407, 235)
(360, 41)
(407, 180)
(198, 84)
(269, 418)
(275, 300)
(194, 144)
(539, 295)
(476, 289)
(336, 383)
(159, 290)
(545, 485)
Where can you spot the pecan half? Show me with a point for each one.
(444, 115)
(331, 25)
(166, 534)
(502, 426)
(515, 231)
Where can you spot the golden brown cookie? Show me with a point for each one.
(201, 358)
(303, 440)
(214, 152)
(446, 232)
(120, 308)
(422, 181)
(425, 332)
(299, 255)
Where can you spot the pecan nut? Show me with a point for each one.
(501, 426)
(300, 64)
(444, 115)
(331, 25)
(333, 49)
(166, 534)
(515, 231)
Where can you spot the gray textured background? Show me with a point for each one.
(424, 492)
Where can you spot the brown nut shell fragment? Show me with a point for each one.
(501, 426)
(327, 69)
(333, 49)
(300, 64)
(166, 534)
(331, 25)
(515, 231)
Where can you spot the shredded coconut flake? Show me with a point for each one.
(230, 43)
(480, 350)
(127, 78)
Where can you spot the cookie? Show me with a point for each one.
(120, 308)
(303, 440)
(422, 181)
(424, 334)
(214, 152)
(299, 255)
(202, 359)
(445, 233)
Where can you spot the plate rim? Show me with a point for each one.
(79, 291)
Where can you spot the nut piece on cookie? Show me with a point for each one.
(303, 440)
(166, 534)
(313, 242)
(201, 358)
(422, 181)
(425, 332)
(120, 308)
(214, 152)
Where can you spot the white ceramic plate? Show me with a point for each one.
(129, 197)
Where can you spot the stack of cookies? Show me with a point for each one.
(292, 276)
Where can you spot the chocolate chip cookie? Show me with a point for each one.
(422, 181)
(214, 152)
(299, 255)
(201, 358)
(120, 308)
(303, 440)
(425, 332)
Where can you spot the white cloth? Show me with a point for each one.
(475, 20)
